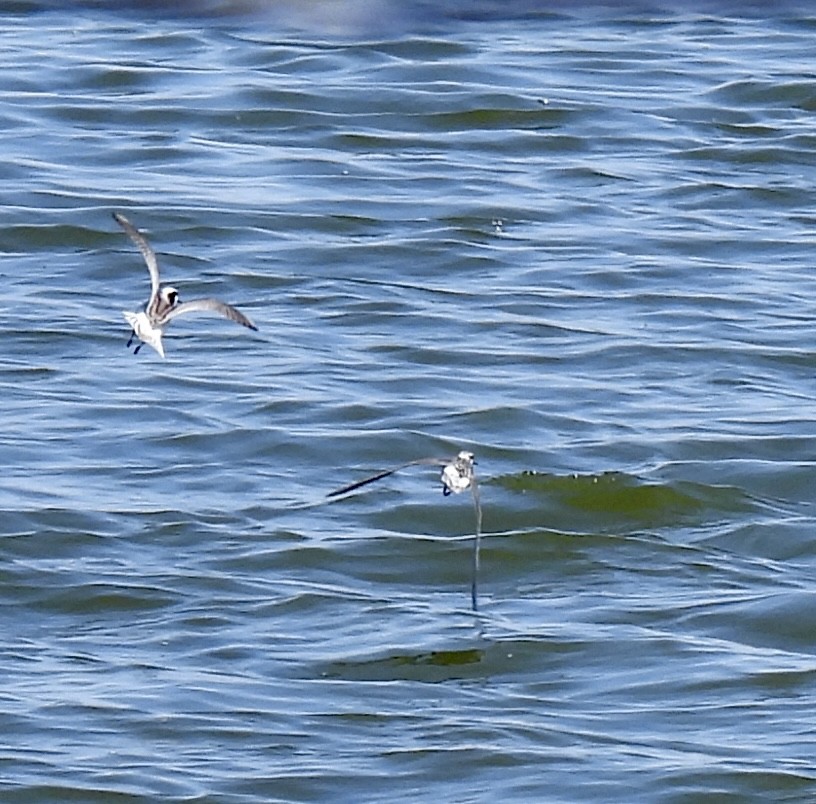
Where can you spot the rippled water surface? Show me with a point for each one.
(575, 242)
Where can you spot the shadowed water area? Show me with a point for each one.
(574, 240)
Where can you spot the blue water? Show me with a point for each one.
(573, 240)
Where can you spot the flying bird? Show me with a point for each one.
(164, 304)
(457, 476)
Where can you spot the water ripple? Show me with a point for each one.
(573, 240)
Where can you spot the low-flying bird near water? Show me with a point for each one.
(457, 476)
(164, 304)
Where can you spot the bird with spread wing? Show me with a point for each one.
(457, 476)
(164, 304)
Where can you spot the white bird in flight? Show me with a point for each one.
(457, 476)
(164, 305)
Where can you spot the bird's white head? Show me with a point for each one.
(169, 296)
(458, 475)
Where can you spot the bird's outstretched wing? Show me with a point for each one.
(474, 576)
(385, 473)
(209, 306)
(147, 252)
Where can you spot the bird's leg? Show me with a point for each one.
(130, 339)
(136, 350)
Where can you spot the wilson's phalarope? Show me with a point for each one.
(164, 305)
(457, 476)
